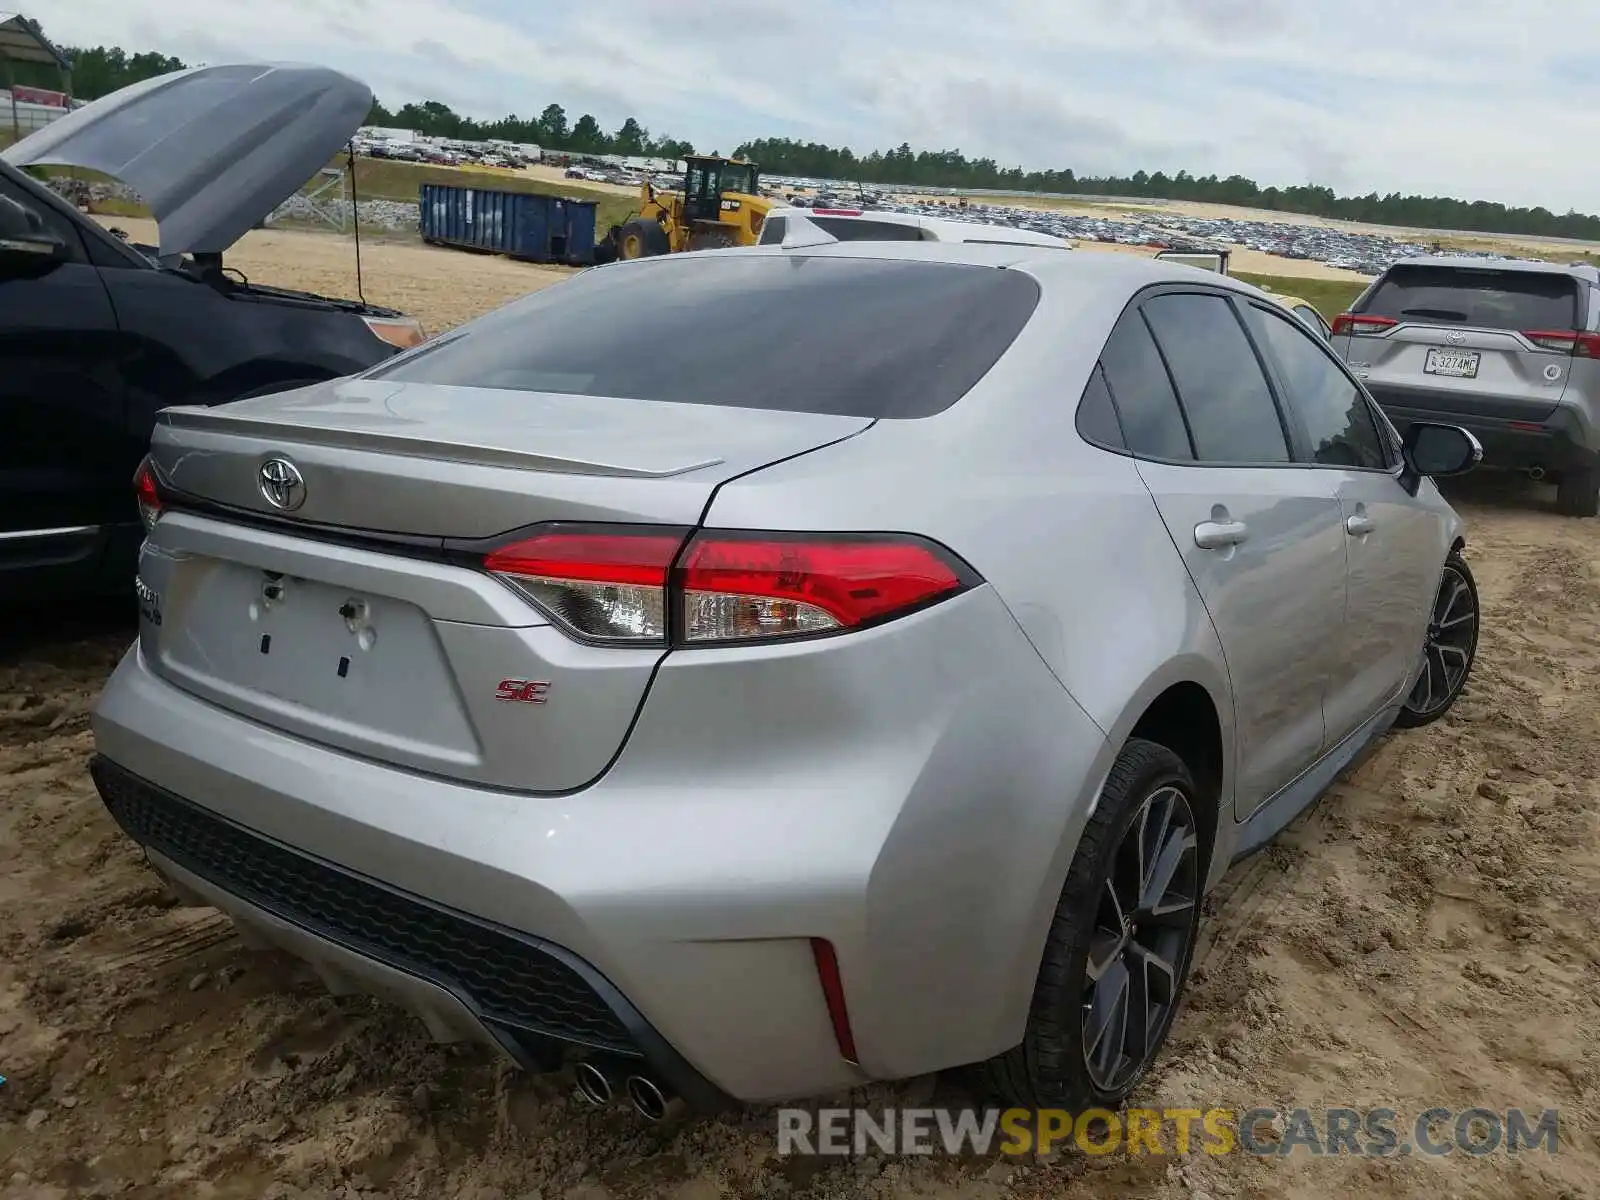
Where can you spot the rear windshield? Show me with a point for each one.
(1487, 298)
(854, 337)
(846, 229)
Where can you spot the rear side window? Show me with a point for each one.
(853, 337)
(773, 231)
(1097, 416)
(1487, 298)
(1152, 423)
(1224, 394)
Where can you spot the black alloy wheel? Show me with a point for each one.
(1142, 935)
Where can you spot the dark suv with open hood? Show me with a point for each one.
(97, 335)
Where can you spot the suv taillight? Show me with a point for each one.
(1565, 341)
(148, 494)
(644, 586)
(1360, 325)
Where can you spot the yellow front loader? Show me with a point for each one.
(720, 205)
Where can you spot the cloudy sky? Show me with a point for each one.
(1458, 97)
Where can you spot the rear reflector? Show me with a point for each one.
(837, 212)
(148, 494)
(1528, 426)
(833, 994)
(1566, 341)
(1359, 325)
(619, 585)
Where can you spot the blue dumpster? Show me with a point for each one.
(519, 224)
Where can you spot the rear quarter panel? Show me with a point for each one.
(1066, 534)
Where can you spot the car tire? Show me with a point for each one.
(1450, 648)
(641, 238)
(1061, 1063)
(1578, 493)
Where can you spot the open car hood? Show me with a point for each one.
(211, 150)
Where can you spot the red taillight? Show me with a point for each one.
(618, 585)
(1566, 341)
(1361, 325)
(833, 995)
(603, 586)
(148, 493)
(739, 586)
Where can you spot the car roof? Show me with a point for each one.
(1470, 262)
(947, 228)
(1111, 272)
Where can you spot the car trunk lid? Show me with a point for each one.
(362, 619)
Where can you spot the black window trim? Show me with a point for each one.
(1303, 438)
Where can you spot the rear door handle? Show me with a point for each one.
(1359, 524)
(1218, 535)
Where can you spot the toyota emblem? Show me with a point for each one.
(282, 484)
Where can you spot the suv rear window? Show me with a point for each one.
(1489, 298)
(853, 337)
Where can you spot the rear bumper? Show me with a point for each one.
(1560, 441)
(465, 978)
(921, 817)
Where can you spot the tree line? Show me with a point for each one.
(98, 70)
(950, 168)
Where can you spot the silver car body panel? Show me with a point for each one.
(211, 150)
(912, 792)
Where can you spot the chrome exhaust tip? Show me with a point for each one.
(650, 1102)
(594, 1085)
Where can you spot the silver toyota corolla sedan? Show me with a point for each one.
(756, 672)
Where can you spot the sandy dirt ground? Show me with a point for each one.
(1423, 936)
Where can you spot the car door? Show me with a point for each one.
(61, 409)
(1392, 544)
(1260, 534)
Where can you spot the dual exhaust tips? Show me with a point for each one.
(598, 1084)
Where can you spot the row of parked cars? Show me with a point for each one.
(1338, 246)
(875, 687)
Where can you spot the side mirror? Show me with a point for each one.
(27, 247)
(34, 255)
(1432, 450)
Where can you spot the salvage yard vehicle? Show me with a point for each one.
(719, 205)
(884, 702)
(854, 224)
(96, 334)
(1509, 349)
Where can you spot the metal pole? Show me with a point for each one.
(11, 86)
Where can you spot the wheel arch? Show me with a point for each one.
(1184, 719)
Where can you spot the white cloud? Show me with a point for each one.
(1456, 97)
